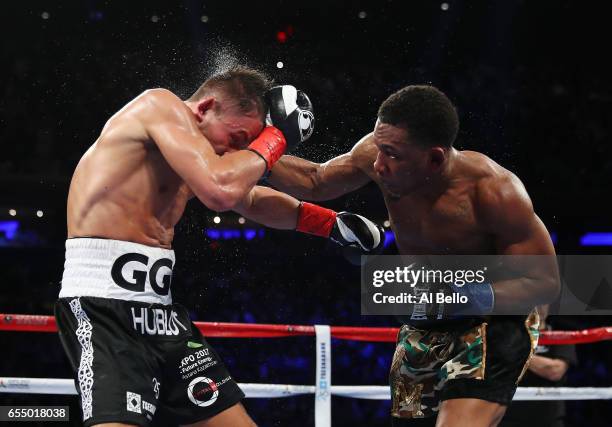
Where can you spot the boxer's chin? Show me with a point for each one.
(394, 195)
(392, 190)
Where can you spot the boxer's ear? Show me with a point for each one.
(437, 155)
(206, 104)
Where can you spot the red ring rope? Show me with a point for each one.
(38, 323)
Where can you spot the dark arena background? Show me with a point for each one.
(529, 79)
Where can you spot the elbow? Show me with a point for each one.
(222, 199)
(219, 198)
(226, 192)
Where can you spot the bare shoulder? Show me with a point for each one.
(505, 211)
(500, 193)
(155, 106)
(152, 104)
(162, 101)
(364, 153)
(160, 95)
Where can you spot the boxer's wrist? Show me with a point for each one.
(457, 301)
(480, 299)
(270, 145)
(262, 157)
(314, 219)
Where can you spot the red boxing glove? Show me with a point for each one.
(270, 145)
(317, 220)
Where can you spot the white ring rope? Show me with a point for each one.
(373, 392)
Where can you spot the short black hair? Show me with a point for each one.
(246, 85)
(425, 112)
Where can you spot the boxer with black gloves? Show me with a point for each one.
(290, 112)
(462, 369)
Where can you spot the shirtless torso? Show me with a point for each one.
(123, 188)
(448, 223)
(445, 201)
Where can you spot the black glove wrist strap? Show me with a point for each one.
(266, 173)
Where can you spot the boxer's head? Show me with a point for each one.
(230, 108)
(414, 134)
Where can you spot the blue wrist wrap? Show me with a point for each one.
(480, 299)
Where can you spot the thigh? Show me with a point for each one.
(235, 416)
(495, 356)
(415, 376)
(114, 369)
(196, 383)
(469, 413)
(511, 341)
(114, 425)
(413, 422)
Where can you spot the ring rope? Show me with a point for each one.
(39, 323)
(371, 392)
(323, 390)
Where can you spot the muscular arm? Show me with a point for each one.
(324, 181)
(507, 212)
(220, 182)
(270, 208)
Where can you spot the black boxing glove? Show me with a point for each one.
(290, 111)
(357, 231)
(344, 228)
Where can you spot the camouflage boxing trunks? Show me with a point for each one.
(467, 358)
